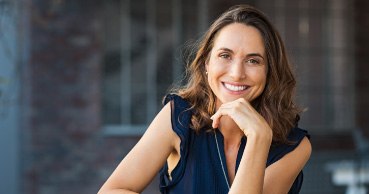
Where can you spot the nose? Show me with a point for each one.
(237, 70)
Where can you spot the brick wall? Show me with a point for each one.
(61, 148)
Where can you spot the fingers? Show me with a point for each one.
(236, 110)
(244, 115)
(222, 111)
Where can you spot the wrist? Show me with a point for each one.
(266, 137)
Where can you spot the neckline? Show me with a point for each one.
(219, 136)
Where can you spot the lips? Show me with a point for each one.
(235, 88)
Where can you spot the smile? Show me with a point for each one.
(235, 88)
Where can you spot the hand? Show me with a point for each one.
(245, 116)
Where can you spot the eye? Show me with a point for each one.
(253, 61)
(225, 56)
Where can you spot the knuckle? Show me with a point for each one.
(237, 108)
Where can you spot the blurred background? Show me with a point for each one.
(81, 80)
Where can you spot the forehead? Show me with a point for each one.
(240, 38)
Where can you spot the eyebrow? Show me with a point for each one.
(248, 55)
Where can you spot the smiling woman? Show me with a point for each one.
(233, 127)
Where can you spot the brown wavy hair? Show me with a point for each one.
(276, 104)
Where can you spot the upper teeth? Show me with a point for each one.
(234, 88)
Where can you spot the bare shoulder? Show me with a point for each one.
(161, 126)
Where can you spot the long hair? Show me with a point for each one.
(276, 103)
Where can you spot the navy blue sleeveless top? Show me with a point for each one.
(199, 169)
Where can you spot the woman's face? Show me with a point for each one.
(237, 65)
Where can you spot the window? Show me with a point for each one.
(318, 41)
(142, 58)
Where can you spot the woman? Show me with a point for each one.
(233, 127)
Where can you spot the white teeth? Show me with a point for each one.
(234, 88)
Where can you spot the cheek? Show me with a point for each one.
(263, 80)
(214, 74)
(211, 79)
(259, 78)
(216, 67)
(258, 75)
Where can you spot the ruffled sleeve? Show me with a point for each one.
(180, 118)
(278, 151)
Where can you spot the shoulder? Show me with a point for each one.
(180, 112)
(298, 141)
(304, 149)
(299, 138)
(177, 101)
(301, 147)
(285, 163)
(294, 159)
(297, 134)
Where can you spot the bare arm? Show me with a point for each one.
(250, 174)
(146, 158)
